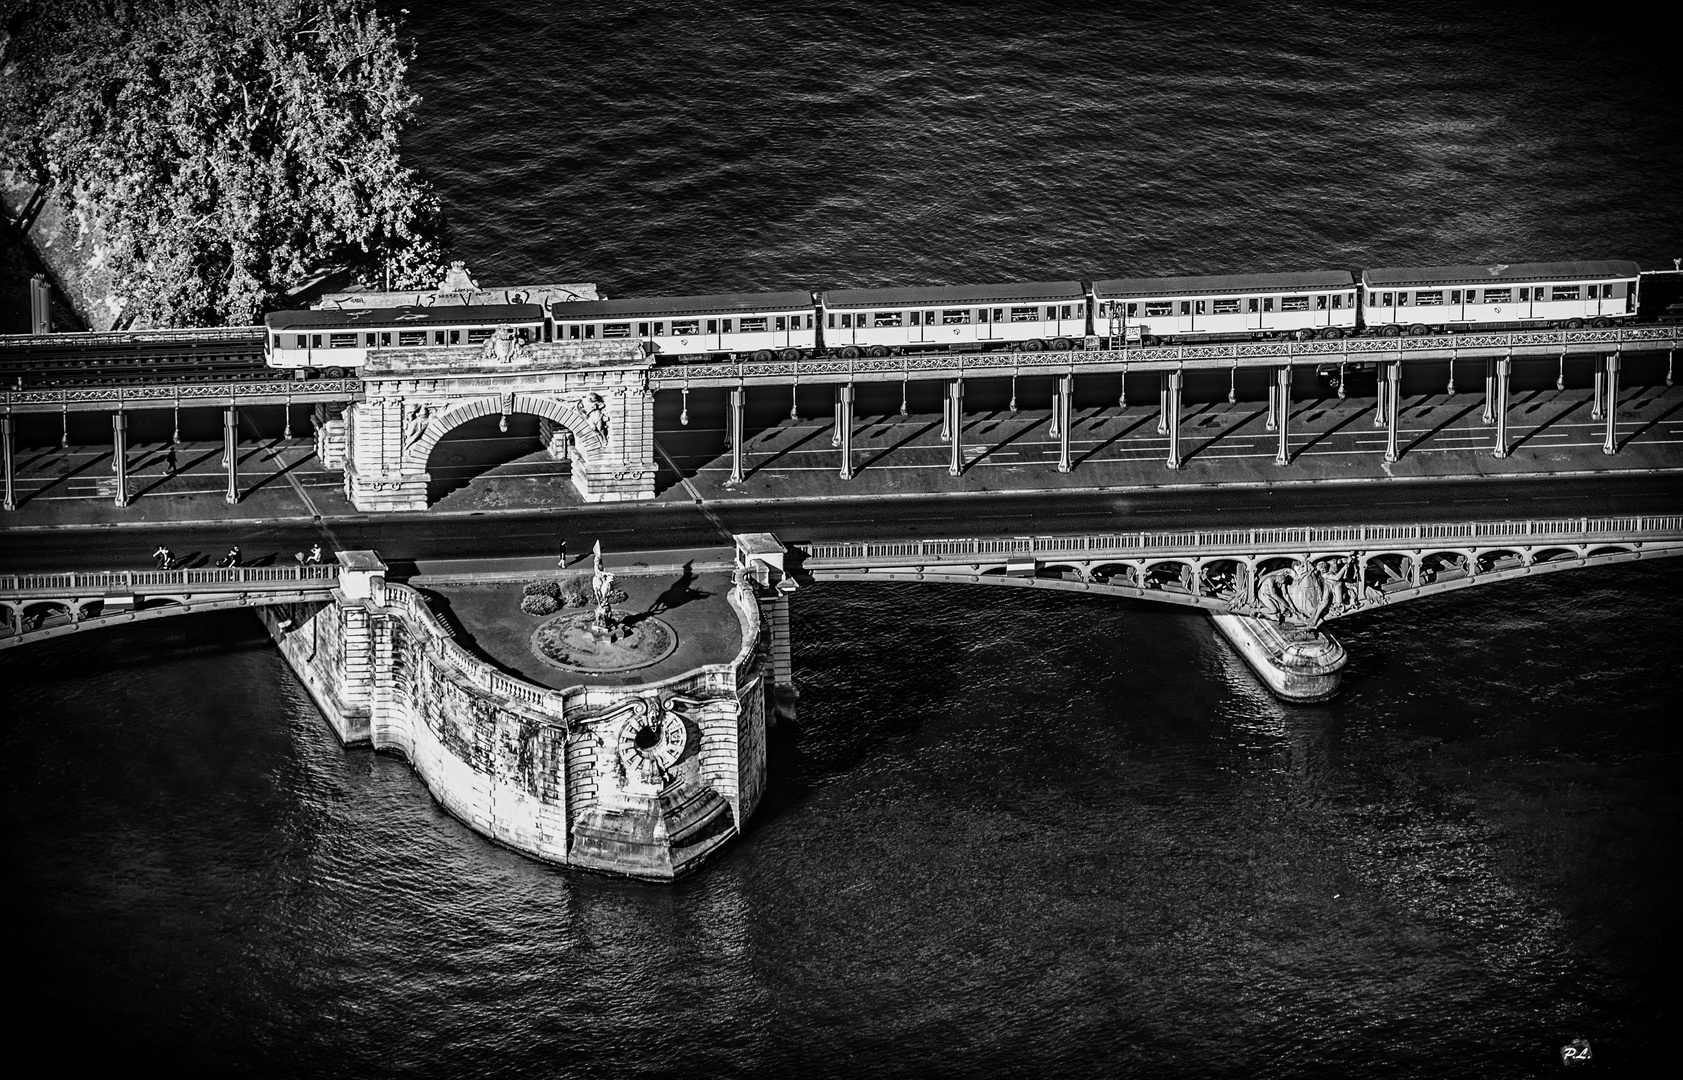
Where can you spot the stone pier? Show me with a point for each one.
(644, 780)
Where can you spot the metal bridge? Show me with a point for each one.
(34, 607)
(1299, 576)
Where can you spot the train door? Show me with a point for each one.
(987, 323)
(1253, 313)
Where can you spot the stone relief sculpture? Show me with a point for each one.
(503, 347)
(1308, 595)
(415, 423)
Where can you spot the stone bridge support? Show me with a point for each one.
(599, 396)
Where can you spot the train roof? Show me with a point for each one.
(1224, 283)
(930, 295)
(434, 315)
(656, 306)
(1540, 271)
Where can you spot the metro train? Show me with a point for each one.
(1023, 316)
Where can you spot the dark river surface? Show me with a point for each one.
(1011, 833)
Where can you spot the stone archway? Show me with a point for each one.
(589, 436)
(600, 398)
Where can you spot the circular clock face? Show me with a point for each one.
(651, 741)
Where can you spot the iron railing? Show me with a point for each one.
(1293, 538)
(248, 578)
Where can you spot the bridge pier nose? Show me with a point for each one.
(1296, 664)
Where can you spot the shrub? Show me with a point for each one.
(538, 603)
(575, 592)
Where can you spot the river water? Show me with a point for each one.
(1011, 834)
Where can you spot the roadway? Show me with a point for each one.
(668, 526)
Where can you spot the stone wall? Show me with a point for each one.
(545, 772)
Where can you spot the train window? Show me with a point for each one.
(1267, 303)
(954, 318)
(411, 337)
(1402, 299)
(1338, 301)
(1252, 304)
(1069, 311)
(1134, 310)
(315, 341)
(385, 339)
(1565, 292)
(712, 326)
(686, 327)
(341, 341)
(1372, 299)
(1160, 307)
(847, 322)
(1294, 303)
(482, 334)
(727, 326)
(1186, 307)
(1198, 306)
(456, 336)
(573, 332)
(782, 323)
(1226, 307)
(642, 329)
(660, 329)
(616, 329)
(1525, 294)
(589, 332)
(1432, 298)
(809, 322)
(1498, 296)
(1321, 302)
(832, 322)
(1455, 296)
(998, 315)
(1028, 314)
(1051, 313)
(917, 317)
(881, 318)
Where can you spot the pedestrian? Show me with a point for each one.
(170, 461)
(315, 554)
(232, 558)
(164, 557)
(563, 563)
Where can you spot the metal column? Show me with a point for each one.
(230, 452)
(1610, 444)
(737, 396)
(11, 467)
(1061, 404)
(1393, 407)
(836, 426)
(1163, 404)
(955, 410)
(120, 457)
(1273, 413)
(1600, 393)
(1489, 391)
(1381, 387)
(1504, 369)
(1172, 411)
(844, 410)
(1282, 380)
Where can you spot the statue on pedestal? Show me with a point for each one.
(602, 585)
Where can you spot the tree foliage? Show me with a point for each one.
(227, 147)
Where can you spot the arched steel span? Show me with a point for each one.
(35, 607)
(1300, 576)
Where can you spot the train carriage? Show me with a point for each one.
(1502, 296)
(1231, 307)
(1021, 315)
(332, 341)
(761, 325)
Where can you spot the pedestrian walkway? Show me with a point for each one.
(1442, 436)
